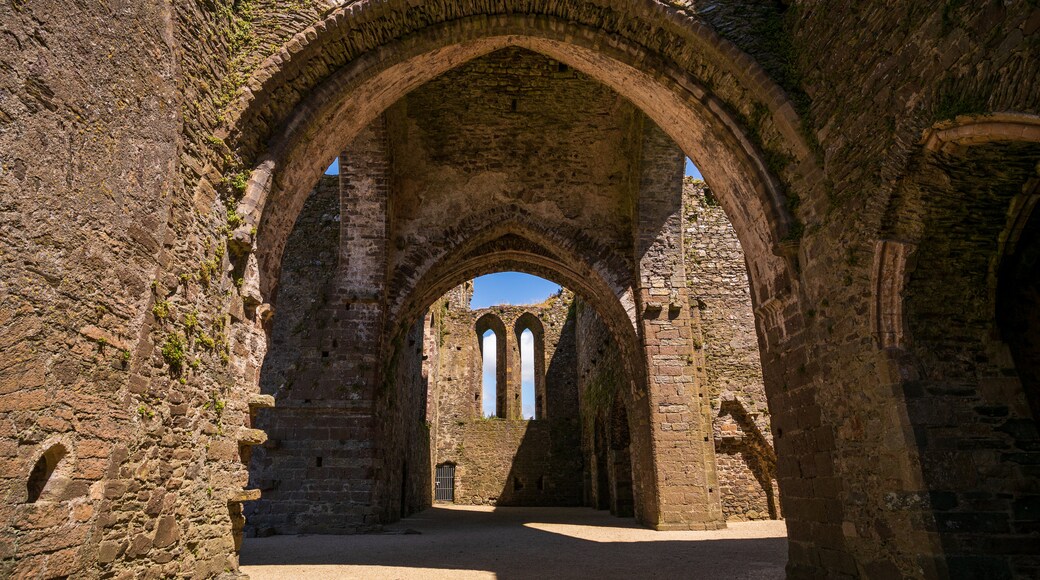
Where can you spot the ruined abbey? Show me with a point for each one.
(204, 337)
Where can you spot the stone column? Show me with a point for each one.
(365, 181)
(514, 374)
(679, 410)
(324, 467)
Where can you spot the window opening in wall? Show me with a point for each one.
(43, 470)
(489, 408)
(527, 396)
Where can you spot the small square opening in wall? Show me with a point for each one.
(324, 354)
(317, 461)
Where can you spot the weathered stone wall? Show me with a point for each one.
(926, 62)
(601, 382)
(114, 308)
(298, 357)
(516, 462)
(508, 461)
(717, 273)
(405, 435)
(108, 182)
(347, 426)
(512, 126)
(516, 138)
(683, 492)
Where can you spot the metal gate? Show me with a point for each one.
(445, 483)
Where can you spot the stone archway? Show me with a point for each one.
(951, 253)
(116, 279)
(697, 119)
(530, 322)
(503, 370)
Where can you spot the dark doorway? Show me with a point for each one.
(445, 484)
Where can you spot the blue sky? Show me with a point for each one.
(510, 288)
(691, 170)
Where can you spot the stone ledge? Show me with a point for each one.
(261, 402)
(251, 436)
(244, 495)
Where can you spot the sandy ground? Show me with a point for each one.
(469, 542)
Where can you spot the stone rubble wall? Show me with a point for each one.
(503, 461)
(300, 345)
(718, 280)
(744, 456)
(112, 153)
(125, 337)
(600, 380)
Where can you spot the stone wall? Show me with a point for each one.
(905, 442)
(509, 460)
(744, 455)
(601, 381)
(127, 350)
(717, 273)
(511, 127)
(327, 435)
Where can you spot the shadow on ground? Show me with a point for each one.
(519, 543)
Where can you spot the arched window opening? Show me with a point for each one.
(491, 339)
(530, 336)
(527, 371)
(489, 382)
(43, 471)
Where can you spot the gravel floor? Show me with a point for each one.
(468, 542)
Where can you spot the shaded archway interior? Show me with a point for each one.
(416, 234)
(350, 99)
(1018, 295)
(970, 312)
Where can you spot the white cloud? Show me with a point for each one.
(488, 389)
(527, 358)
(527, 374)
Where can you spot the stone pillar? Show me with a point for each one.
(514, 373)
(364, 187)
(365, 178)
(323, 469)
(684, 475)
